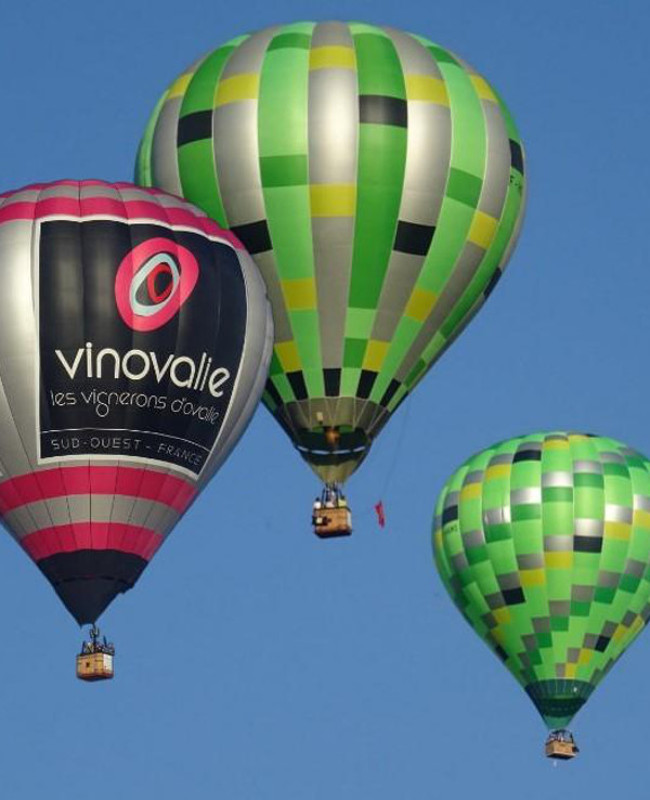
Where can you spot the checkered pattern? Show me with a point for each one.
(543, 543)
(378, 182)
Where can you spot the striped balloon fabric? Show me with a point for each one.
(116, 303)
(543, 543)
(378, 182)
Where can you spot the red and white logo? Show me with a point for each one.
(153, 281)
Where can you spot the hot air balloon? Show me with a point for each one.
(377, 180)
(135, 336)
(543, 543)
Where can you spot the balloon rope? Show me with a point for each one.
(398, 447)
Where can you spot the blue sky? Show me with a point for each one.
(260, 663)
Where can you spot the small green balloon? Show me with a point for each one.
(543, 543)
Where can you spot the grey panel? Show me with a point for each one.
(331, 34)
(332, 266)
(165, 169)
(497, 172)
(236, 154)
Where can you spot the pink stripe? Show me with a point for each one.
(120, 536)
(170, 490)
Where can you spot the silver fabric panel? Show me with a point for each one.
(557, 479)
(333, 239)
(18, 347)
(428, 154)
(266, 264)
(236, 155)
(533, 494)
(401, 277)
(64, 510)
(497, 172)
(589, 527)
(414, 56)
(236, 147)
(165, 168)
(466, 266)
(333, 120)
(331, 34)
(615, 513)
(333, 125)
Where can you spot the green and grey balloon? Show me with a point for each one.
(376, 179)
(543, 543)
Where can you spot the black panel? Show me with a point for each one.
(527, 455)
(601, 643)
(270, 388)
(194, 127)
(255, 236)
(297, 382)
(449, 514)
(412, 238)
(496, 277)
(382, 110)
(587, 544)
(366, 382)
(516, 156)
(332, 381)
(88, 580)
(393, 386)
(513, 597)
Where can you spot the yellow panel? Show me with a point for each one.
(585, 657)
(332, 58)
(299, 293)
(424, 87)
(497, 471)
(483, 88)
(239, 87)
(497, 635)
(437, 537)
(619, 633)
(471, 491)
(420, 304)
(502, 615)
(375, 354)
(641, 518)
(532, 577)
(636, 626)
(483, 229)
(333, 199)
(570, 670)
(287, 353)
(556, 444)
(617, 530)
(559, 560)
(180, 85)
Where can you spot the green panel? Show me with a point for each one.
(382, 158)
(196, 164)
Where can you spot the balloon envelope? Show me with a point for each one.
(378, 182)
(543, 543)
(134, 341)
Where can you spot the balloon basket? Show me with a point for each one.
(561, 745)
(95, 662)
(333, 522)
(95, 667)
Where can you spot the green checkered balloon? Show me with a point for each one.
(543, 543)
(376, 179)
